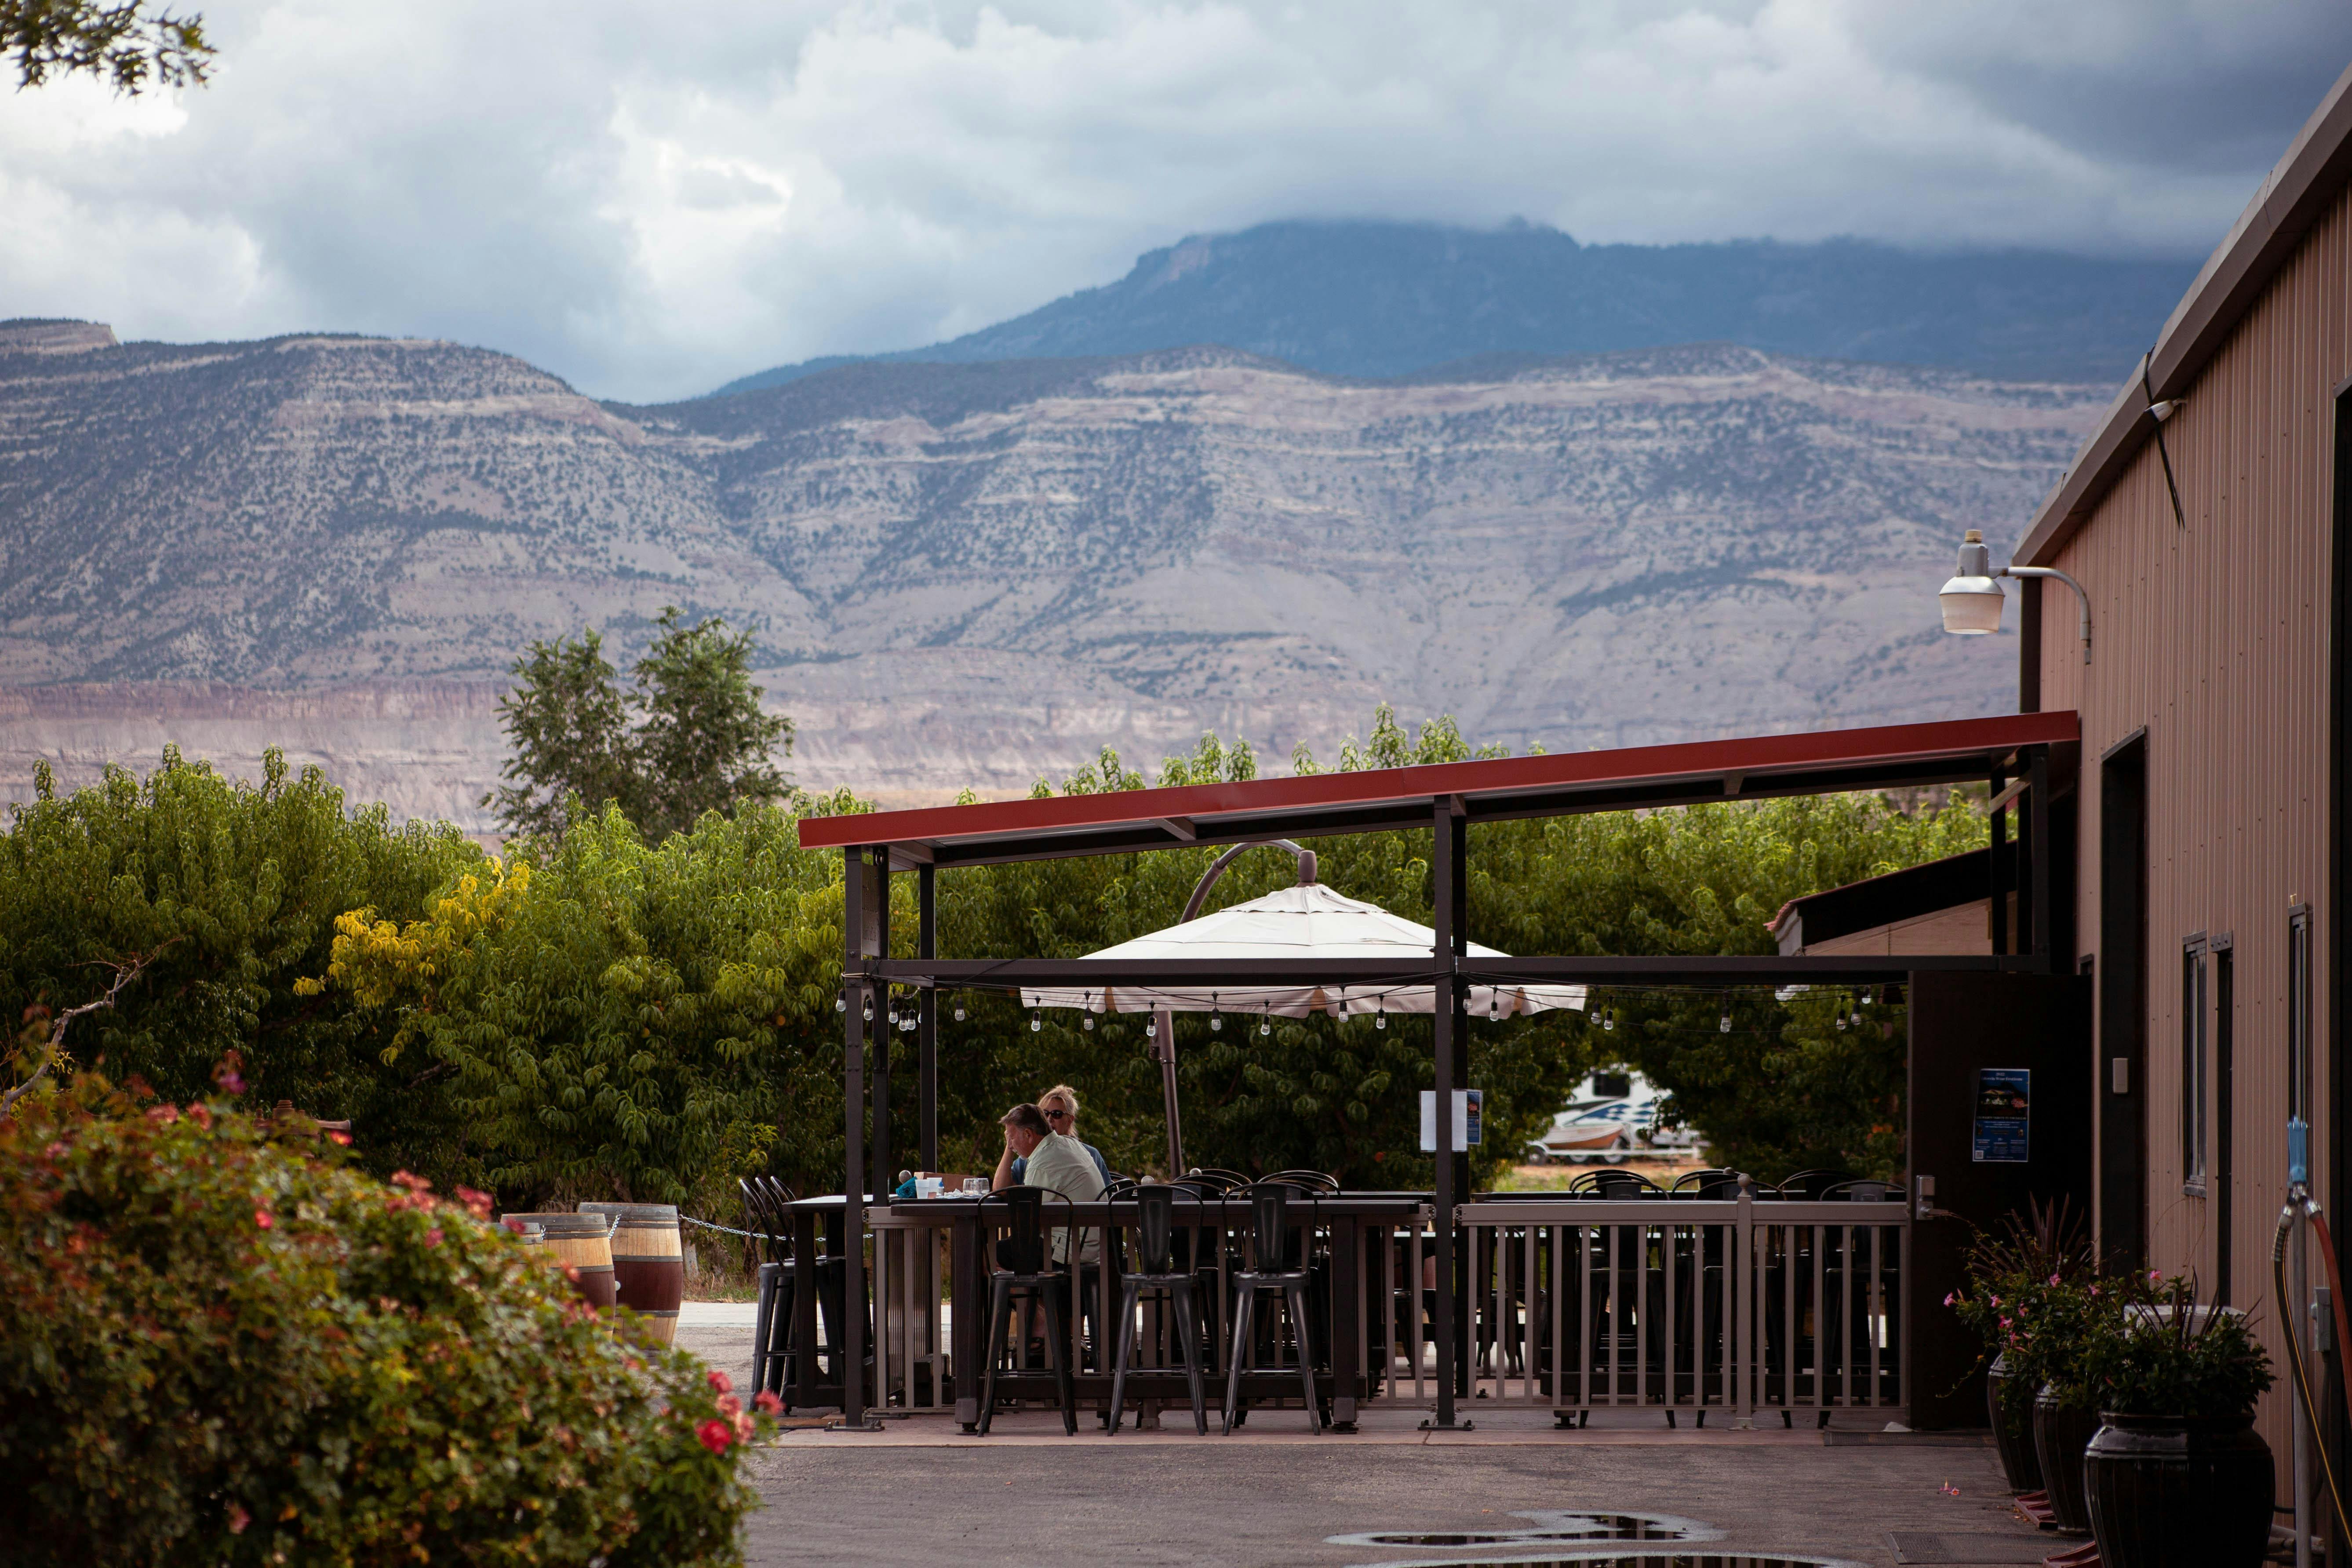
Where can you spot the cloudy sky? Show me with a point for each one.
(650, 200)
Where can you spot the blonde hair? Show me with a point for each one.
(1066, 1092)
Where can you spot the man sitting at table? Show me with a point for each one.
(1056, 1162)
(1059, 1106)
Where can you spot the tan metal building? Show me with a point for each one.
(2207, 522)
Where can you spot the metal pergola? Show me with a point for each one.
(2022, 758)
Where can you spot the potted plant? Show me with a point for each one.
(2011, 1271)
(2177, 1475)
(2070, 1316)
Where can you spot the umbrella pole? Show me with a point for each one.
(1168, 1089)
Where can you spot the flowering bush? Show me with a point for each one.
(218, 1348)
(2036, 1302)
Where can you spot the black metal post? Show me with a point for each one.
(2000, 842)
(926, 1015)
(1459, 989)
(853, 1095)
(2037, 816)
(879, 944)
(1443, 1018)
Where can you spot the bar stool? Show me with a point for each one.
(766, 1206)
(1155, 1223)
(1277, 1268)
(1024, 1274)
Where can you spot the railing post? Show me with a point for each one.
(1744, 1354)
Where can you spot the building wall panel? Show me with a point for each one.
(2213, 635)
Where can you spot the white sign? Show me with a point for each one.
(1468, 1103)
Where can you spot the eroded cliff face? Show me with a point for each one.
(970, 574)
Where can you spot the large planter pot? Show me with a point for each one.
(2172, 1492)
(2061, 1433)
(2012, 1432)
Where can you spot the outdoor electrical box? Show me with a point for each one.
(1468, 1106)
(2002, 1067)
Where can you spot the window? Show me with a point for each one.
(2192, 1066)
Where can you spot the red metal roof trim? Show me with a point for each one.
(2306, 178)
(1754, 754)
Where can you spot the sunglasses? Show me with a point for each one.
(1057, 1116)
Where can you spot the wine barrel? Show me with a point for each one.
(649, 1264)
(585, 1242)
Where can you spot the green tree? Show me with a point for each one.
(132, 44)
(699, 741)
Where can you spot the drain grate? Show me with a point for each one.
(1546, 1527)
(1621, 1560)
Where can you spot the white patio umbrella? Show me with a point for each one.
(1307, 923)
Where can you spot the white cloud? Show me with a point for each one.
(649, 212)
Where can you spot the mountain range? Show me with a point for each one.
(1385, 300)
(971, 574)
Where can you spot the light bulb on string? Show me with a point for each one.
(841, 1004)
(958, 1012)
(1216, 1019)
(869, 1006)
(1090, 1021)
(1856, 1019)
(1380, 1013)
(1266, 1025)
(1609, 1019)
(1723, 1026)
(1841, 1023)
(1036, 1023)
(1151, 1028)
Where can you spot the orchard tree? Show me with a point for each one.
(699, 741)
(133, 46)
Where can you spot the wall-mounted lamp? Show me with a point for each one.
(1972, 599)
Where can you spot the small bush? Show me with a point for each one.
(217, 1348)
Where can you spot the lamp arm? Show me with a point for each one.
(2061, 576)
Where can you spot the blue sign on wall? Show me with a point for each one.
(2004, 1116)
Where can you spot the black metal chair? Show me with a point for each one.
(1715, 1184)
(766, 1208)
(1024, 1271)
(1276, 1266)
(1156, 1271)
(1308, 1180)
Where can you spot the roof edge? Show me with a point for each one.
(2313, 170)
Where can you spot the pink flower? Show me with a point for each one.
(766, 1403)
(238, 1519)
(715, 1435)
(264, 1218)
(231, 1083)
(729, 1405)
(478, 1203)
(433, 1236)
(164, 1115)
(53, 1151)
(1994, 1300)
(1952, 1297)
(200, 1115)
(720, 1381)
(743, 1427)
(414, 1182)
(2054, 1280)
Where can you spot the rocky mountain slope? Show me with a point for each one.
(1391, 299)
(967, 575)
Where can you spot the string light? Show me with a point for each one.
(1266, 1025)
(1150, 1029)
(958, 1012)
(1090, 1021)
(841, 1004)
(1609, 1019)
(1216, 1019)
(1380, 1013)
(1036, 1023)
(1723, 1026)
(869, 1006)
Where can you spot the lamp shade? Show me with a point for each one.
(1971, 606)
(1972, 600)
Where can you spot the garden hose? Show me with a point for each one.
(2293, 1340)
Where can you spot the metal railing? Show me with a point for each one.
(1724, 1307)
(1699, 1306)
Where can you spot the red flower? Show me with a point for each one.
(766, 1403)
(715, 1435)
(198, 1114)
(433, 1236)
(164, 1115)
(477, 1203)
(743, 1427)
(238, 1519)
(720, 1381)
(343, 1138)
(264, 1218)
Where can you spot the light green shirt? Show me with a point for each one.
(1060, 1163)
